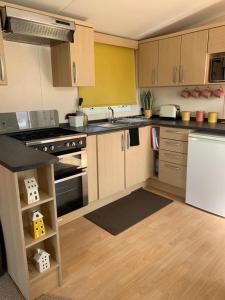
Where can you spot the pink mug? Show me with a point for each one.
(195, 93)
(207, 93)
(219, 92)
(185, 93)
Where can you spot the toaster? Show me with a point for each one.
(169, 111)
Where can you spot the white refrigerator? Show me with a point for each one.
(205, 186)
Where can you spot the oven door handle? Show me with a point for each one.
(72, 154)
(71, 177)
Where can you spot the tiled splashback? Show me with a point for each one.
(171, 95)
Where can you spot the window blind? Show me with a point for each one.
(114, 77)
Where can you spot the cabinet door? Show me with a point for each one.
(194, 58)
(73, 63)
(3, 76)
(216, 40)
(148, 64)
(169, 61)
(111, 163)
(138, 158)
(82, 57)
(92, 168)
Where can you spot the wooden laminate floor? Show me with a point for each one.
(177, 253)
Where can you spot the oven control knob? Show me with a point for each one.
(51, 147)
(45, 149)
(80, 142)
(67, 144)
(73, 144)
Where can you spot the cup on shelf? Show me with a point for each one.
(212, 117)
(186, 115)
(219, 93)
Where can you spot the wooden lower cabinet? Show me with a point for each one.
(119, 165)
(111, 168)
(138, 159)
(92, 168)
(172, 174)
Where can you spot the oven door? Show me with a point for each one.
(71, 182)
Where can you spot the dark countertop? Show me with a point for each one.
(92, 129)
(16, 157)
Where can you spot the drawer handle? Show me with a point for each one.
(172, 155)
(172, 167)
(172, 143)
(171, 131)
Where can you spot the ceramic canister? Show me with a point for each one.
(200, 116)
(212, 117)
(186, 115)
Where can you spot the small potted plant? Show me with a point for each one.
(147, 102)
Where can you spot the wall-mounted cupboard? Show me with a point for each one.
(179, 60)
(73, 63)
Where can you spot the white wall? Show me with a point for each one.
(171, 95)
(30, 82)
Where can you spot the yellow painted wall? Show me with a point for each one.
(114, 77)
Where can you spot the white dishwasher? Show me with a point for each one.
(205, 186)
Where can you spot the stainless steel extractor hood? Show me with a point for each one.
(33, 28)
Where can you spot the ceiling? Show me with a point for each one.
(135, 19)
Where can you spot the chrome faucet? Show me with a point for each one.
(113, 115)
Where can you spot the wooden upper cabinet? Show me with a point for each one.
(138, 159)
(73, 64)
(111, 169)
(216, 40)
(148, 64)
(3, 75)
(193, 65)
(169, 61)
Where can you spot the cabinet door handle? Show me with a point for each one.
(181, 74)
(122, 142)
(74, 73)
(174, 74)
(128, 140)
(153, 76)
(2, 69)
(172, 167)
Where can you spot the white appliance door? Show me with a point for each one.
(205, 187)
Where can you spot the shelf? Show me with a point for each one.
(44, 198)
(30, 241)
(35, 275)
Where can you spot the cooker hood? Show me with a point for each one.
(33, 28)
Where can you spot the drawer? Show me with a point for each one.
(172, 174)
(174, 133)
(172, 145)
(173, 157)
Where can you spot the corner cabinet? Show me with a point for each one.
(73, 64)
(119, 165)
(148, 64)
(3, 75)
